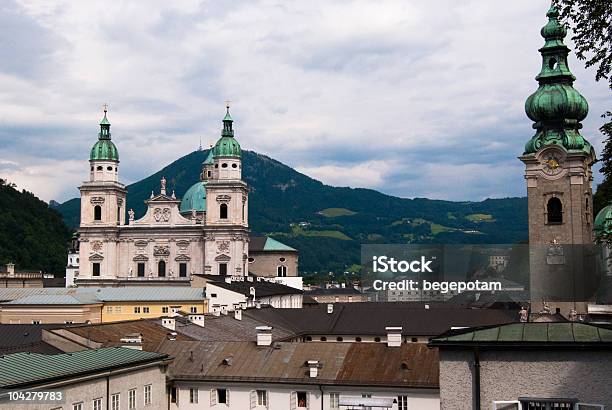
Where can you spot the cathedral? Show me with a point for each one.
(205, 233)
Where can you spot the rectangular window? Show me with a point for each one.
(97, 404)
(117, 309)
(146, 309)
(506, 405)
(141, 269)
(173, 395)
(132, 399)
(147, 394)
(68, 322)
(36, 322)
(402, 402)
(115, 401)
(95, 269)
(193, 395)
(302, 399)
(137, 309)
(109, 309)
(194, 309)
(262, 398)
(222, 396)
(223, 269)
(334, 400)
(77, 406)
(165, 309)
(182, 270)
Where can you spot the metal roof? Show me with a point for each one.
(54, 300)
(262, 288)
(110, 334)
(366, 318)
(412, 365)
(27, 369)
(521, 334)
(264, 243)
(98, 295)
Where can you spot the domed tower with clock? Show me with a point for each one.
(557, 161)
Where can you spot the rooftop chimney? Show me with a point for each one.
(169, 323)
(10, 268)
(197, 320)
(394, 336)
(132, 341)
(313, 368)
(172, 336)
(228, 279)
(264, 335)
(238, 314)
(224, 309)
(330, 308)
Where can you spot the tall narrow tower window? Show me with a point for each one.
(223, 211)
(281, 271)
(161, 269)
(97, 213)
(554, 210)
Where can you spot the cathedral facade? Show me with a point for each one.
(207, 232)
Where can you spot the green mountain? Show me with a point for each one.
(32, 235)
(328, 224)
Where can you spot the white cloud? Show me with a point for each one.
(331, 87)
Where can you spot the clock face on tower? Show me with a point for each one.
(551, 164)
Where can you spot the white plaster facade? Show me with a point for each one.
(165, 246)
(244, 396)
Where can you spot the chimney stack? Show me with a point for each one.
(197, 320)
(264, 335)
(132, 341)
(394, 336)
(330, 308)
(313, 368)
(169, 323)
(238, 314)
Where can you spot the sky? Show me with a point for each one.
(411, 98)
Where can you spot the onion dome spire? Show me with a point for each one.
(104, 149)
(556, 107)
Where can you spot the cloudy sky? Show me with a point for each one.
(413, 98)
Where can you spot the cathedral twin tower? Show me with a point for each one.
(205, 233)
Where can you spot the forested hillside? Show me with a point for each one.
(32, 235)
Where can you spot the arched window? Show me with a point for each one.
(554, 210)
(281, 271)
(223, 211)
(97, 213)
(161, 269)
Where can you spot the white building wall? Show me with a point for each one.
(279, 396)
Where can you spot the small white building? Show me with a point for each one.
(225, 295)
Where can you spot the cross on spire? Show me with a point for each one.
(105, 107)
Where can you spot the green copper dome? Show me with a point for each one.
(194, 198)
(556, 107)
(227, 146)
(104, 149)
(603, 223)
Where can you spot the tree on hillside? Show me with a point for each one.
(591, 25)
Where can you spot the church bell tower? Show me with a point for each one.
(558, 164)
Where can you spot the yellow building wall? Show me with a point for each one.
(117, 311)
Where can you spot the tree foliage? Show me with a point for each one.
(591, 25)
(32, 235)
